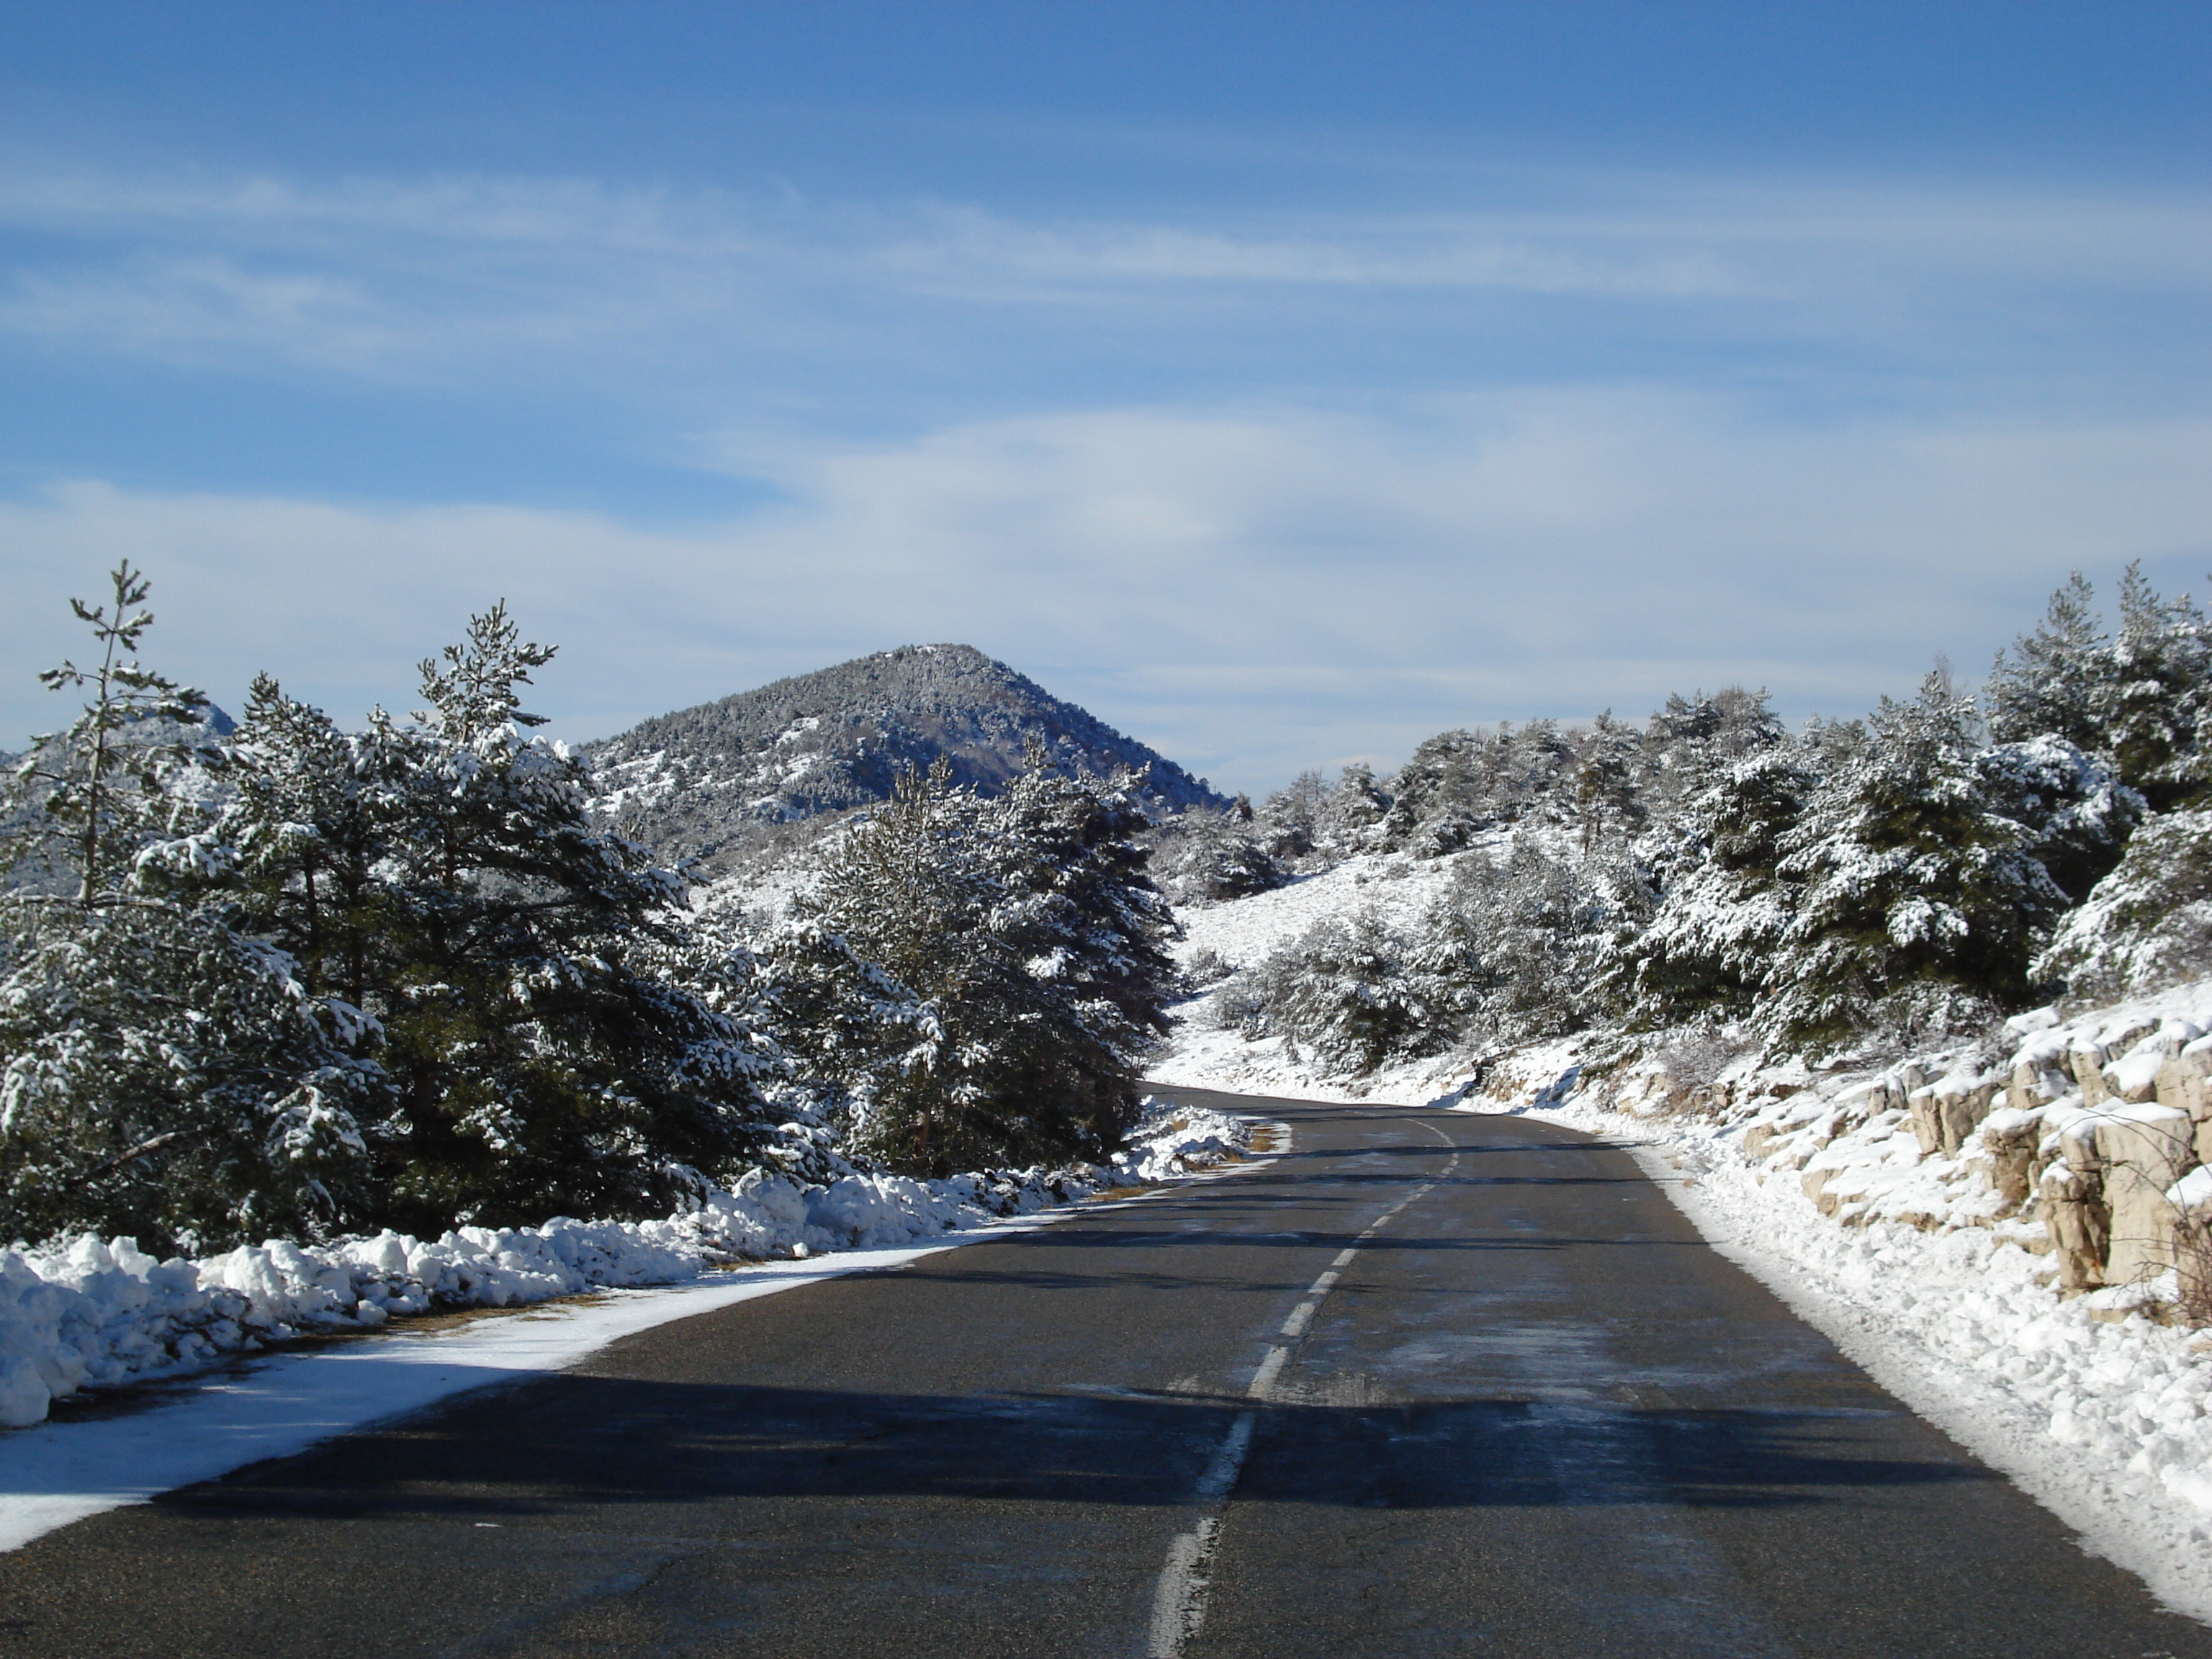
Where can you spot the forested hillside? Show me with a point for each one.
(1950, 858)
(293, 978)
(300, 981)
(763, 770)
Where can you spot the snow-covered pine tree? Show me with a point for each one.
(2077, 813)
(1708, 950)
(910, 892)
(163, 1073)
(1090, 927)
(850, 1031)
(1513, 950)
(1443, 796)
(1286, 824)
(1692, 741)
(312, 817)
(2155, 709)
(1608, 781)
(1918, 905)
(1210, 856)
(542, 1065)
(1030, 930)
(1348, 817)
(101, 785)
(2058, 679)
(2148, 924)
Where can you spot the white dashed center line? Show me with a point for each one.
(1186, 1576)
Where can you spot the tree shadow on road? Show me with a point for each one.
(579, 1441)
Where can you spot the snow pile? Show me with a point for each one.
(97, 1313)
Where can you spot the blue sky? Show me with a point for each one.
(1284, 382)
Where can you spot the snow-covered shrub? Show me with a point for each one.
(1205, 857)
(2147, 925)
(1513, 950)
(1206, 967)
(1343, 991)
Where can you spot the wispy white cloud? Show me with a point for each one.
(529, 276)
(1252, 589)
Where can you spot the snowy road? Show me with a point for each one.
(1432, 1382)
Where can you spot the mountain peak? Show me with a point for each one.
(715, 780)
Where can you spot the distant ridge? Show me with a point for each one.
(712, 783)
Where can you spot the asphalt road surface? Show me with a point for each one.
(1428, 1383)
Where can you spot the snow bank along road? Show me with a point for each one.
(1430, 1383)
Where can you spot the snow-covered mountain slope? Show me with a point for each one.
(715, 781)
(1998, 1231)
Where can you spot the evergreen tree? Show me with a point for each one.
(1917, 905)
(163, 1073)
(2148, 923)
(1608, 781)
(2077, 814)
(1212, 856)
(1352, 812)
(2155, 711)
(1343, 992)
(2058, 679)
(1722, 909)
(1690, 742)
(104, 780)
(539, 1068)
(1288, 820)
(1514, 949)
(1028, 927)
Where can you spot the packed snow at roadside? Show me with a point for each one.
(98, 1313)
(1993, 1234)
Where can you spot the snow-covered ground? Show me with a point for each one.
(1905, 1209)
(99, 1313)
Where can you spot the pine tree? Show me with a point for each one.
(2155, 711)
(1691, 742)
(1349, 815)
(163, 1072)
(1917, 905)
(2055, 680)
(2147, 925)
(103, 780)
(1514, 949)
(540, 1068)
(1212, 856)
(1723, 910)
(1344, 992)
(1028, 929)
(1608, 781)
(2078, 815)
